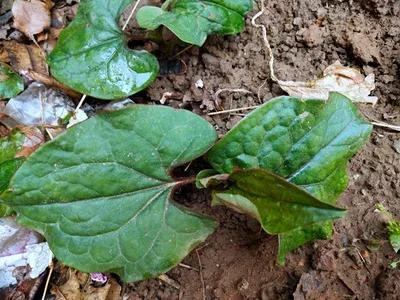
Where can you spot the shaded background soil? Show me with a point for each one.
(238, 260)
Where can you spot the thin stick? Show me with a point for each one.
(384, 125)
(188, 267)
(80, 103)
(203, 289)
(130, 15)
(182, 51)
(47, 281)
(232, 110)
(170, 281)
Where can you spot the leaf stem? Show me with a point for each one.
(167, 4)
(185, 181)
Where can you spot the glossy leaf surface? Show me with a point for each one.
(100, 193)
(91, 55)
(193, 20)
(11, 84)
(307, 142)
(277, 204)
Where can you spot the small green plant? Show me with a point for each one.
(192, 21)
(91, 55)
(101, 192)
(393, 227)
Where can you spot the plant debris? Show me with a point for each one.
(31, 17)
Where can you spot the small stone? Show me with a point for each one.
(396, 146)
(243, 285)
(199, 84)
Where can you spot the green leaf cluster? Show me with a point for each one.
(92, 57)
(101, 192)
(307, 142)
(192, 21)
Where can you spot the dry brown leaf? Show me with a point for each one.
(33, 139)
(31, 17)
(51, 82)
(79, 287)
(336, 78)
(23, 57)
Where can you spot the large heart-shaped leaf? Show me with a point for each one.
(11, 84)
(91, 55)
(307, 142)
(193, 20)
(100, 193)
(278, 205)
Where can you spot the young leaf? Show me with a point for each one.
(11, 84)
(192, 21)
(91, 55)
(393, 227)
(100, 193)
(394, 235)
(277, 204)
(306, 142)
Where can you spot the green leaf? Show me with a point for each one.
(307, 142)
(192, 21)
(91, 55)
(100, 193)
(9, 147)
(11, 84)
(277, 204)
(394, 234)
(291, 240)
(7, 170)
(393, 227)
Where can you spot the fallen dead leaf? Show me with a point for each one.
(31, 17)
(23, 57)
(79, 286)
(21, 248)
(51, 82)
(33, 139)
(39, 105)
(336, 78)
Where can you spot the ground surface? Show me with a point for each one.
(239, 260)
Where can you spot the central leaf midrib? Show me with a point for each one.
(166, 186)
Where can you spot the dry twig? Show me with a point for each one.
(47, 281)
(203, 288)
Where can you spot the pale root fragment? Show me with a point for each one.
(336, 78)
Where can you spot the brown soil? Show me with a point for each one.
(238, 259)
